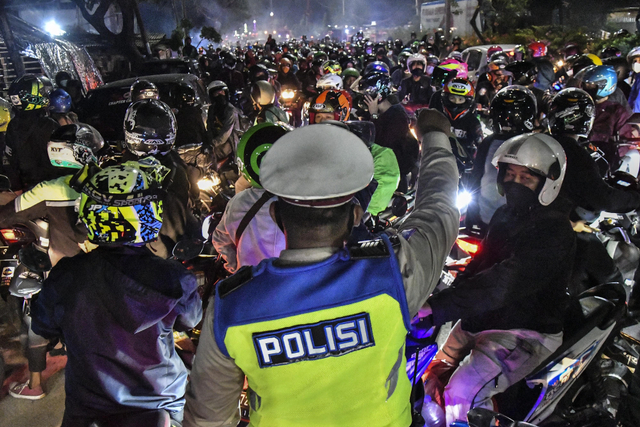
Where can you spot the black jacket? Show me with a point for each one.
(27, 161)
(418, 92)
(583, 186)
(519, 278)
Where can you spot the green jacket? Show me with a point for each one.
(387, 173)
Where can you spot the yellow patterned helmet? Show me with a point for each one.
(5, 114)
(29, 92)
(123, 203)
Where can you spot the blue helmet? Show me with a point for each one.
(59, 101)
(599, 80)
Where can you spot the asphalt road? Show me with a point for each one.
(46, 412)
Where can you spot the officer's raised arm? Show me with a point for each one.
(433, 226)
(323, 320)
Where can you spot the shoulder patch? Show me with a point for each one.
(234, 282)
(369, 249)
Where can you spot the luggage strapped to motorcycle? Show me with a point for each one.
(251, 213)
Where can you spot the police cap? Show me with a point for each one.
(317, 166)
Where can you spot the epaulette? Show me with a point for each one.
(369, 249)
(234, 282)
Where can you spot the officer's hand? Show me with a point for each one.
(433, 120)
(372, 104)
(425, 311)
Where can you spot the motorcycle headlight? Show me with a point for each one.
(209, 183)
(287, 94)
(464, 198)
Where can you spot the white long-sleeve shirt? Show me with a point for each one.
(260, 240)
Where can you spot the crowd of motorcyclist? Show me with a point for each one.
(323, 135)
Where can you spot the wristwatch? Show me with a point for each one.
(374, 116)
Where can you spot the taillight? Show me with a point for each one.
(468, 247)
(15, 235)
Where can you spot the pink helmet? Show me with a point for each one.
(493, 49)
(454, 64)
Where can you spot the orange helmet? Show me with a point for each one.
(337, 102)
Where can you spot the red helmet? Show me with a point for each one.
(538, 49)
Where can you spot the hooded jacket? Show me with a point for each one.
(116, 309)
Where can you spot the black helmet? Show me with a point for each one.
(513, 110)
(366, 131)
(62, 78)
(74, 145)
(571, 111)
(143, 89)
(608, 52)
(229, 60)
(258, 72)
(524, 72)
(376, 85)
(442, 75)
(28, 93)
(376, 67)
(183, 95)
(149, 128)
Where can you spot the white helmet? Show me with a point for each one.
(633, 53)
(541, 154)
(416, 57)
(329, 81)
(262, 93)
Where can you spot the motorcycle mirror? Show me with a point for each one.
(34, 259)
(5, 184)
(188, 249)
(399, 206)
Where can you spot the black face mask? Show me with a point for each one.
(417, 72)
(219, 101)
(520, 199)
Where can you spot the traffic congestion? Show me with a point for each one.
(327, 231)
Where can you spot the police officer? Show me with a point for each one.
(323, 320)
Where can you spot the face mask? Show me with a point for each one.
(430, 70)
(636, 67)
(219, 101)
(417, 72)
(520, 199)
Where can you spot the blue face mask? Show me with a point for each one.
(429, 70)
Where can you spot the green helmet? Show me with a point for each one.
(350, 72)
(254, 144)
(123, 203)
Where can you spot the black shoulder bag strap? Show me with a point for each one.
(251, 213)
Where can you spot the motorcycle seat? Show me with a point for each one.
(600, 307)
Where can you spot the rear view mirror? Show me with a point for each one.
(5, 184)
(187, 249)
(34, 259)
(399, 206)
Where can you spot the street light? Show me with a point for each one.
(271, 14)
(53, 28)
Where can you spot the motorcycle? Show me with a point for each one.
(291, 102)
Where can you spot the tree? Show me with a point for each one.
(210, 33)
